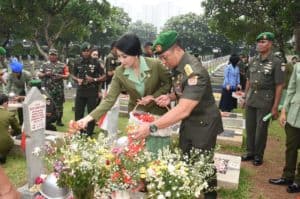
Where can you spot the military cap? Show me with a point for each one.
(16, 66)
(53, 51)
(164, 41)
(2, 51)
(35, 82)
(85, 46)
(265, 36)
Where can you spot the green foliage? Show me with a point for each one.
(51, 21)
(243, 20)
(195, 35)
(145, 31)
(113, 27)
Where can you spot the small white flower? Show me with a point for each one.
(171, 168)
(36, 151)
(161, 197)
(168, 194)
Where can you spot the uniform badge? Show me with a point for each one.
(192, 81)
(188, 70)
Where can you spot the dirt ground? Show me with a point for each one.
(271, 168)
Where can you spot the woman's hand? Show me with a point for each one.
(282, 118)
(145, 100)
(82, 123)
(163, 100)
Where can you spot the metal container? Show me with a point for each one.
(51, 190)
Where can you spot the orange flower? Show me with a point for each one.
(118, 161)
(115, 176)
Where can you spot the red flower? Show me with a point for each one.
(115, 176)
(107, 162)
(38, 180)
(127, 178)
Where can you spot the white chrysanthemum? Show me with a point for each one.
(168, 194)
(161, 197)
(171, 168)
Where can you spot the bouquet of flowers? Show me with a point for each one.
(81, 162)
(174, 175)
(128, 155)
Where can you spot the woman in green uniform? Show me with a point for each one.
(142, 78)
(6, 119)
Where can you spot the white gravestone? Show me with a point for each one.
(34, 113)
(228, 170)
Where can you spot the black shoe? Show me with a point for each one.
(257, 161)
(247, 157)
(280, 181)
(59, 124)
(2, 159)
(293, 188)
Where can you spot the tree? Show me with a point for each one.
(195, 34)
(114, 26)
(145, 31)
(242, 20)
(50, 21)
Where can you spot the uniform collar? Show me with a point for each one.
(269, 57)
(143, 70)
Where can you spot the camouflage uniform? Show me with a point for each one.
(54, 85)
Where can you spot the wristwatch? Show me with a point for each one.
(153, 128)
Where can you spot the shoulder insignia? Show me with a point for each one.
(192, 81)
(188, 70)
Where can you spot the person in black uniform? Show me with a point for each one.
(87, 72)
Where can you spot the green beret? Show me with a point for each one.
(85, 46)
(266, 36)
(35, 82)
(164, 41)
(2, 51)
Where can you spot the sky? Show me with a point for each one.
(157, 12)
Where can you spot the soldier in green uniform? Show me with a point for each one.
(88, 74)
(7, 119)
(52, 73)
(51, 114)
(263, 91)
(196, 107)
(111, 63)
(3, 69)
(243, 66)
(142, 78)
(18, 83)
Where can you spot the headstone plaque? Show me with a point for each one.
(231, 136)
(237, 123)
(228, 170)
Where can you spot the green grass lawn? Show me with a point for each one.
(16, 165)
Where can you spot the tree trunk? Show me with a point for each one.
(44, 54)
(297, 37)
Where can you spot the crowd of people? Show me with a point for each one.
(152, 83)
